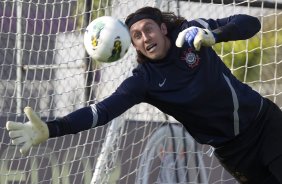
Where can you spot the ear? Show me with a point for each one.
(164, 29)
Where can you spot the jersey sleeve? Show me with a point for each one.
(236, 27)
(132, 91)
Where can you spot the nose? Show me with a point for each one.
(146, 37)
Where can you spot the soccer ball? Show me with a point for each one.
(106, 39)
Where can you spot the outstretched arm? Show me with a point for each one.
(35, 131)
(127, 94)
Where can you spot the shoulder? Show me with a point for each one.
(136, 83)
(141, 72)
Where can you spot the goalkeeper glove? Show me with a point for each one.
(29, 134)
(195, 37)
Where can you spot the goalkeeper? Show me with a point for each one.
(181, 74)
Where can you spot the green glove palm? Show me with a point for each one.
(28, 134)
(195, 37)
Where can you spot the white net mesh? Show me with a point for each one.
(44, 65)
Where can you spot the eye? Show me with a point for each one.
(148, 29)
(137, 35)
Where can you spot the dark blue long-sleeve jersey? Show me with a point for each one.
(195, 87)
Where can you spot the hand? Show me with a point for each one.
(195, 37)
(31, 133)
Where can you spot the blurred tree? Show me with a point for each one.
(247, 58)
(88, 10)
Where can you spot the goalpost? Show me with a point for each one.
(43, 65)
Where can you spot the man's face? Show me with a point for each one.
(150, 39)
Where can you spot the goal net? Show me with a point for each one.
(43, 64)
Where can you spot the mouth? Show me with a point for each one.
(151, 47)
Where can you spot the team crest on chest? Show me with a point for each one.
(190, 58)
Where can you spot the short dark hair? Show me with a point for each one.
(169, 18)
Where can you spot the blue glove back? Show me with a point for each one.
(190, 36)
